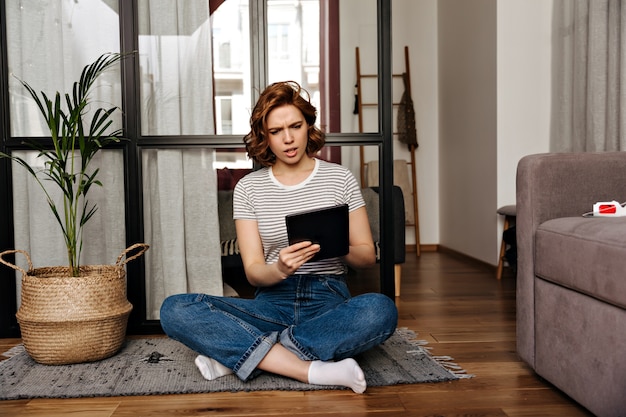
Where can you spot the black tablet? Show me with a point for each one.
(327, 227)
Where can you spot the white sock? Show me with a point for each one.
(346, 373)
(210, 368)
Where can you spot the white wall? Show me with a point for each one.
(480, 73)
(357, 29)
(414, 24)
(492, 139)
(467, 123)
(524, 86)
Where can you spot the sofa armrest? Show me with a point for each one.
(550, 186)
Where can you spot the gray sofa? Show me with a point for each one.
(571, 276)
(231, 261)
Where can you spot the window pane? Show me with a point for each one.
(231, 46)
(49, 43)
(184, 54)
(175, 62)
(359, 101)
(293, 32)
(236, 158)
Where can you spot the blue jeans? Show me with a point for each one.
(313, 316)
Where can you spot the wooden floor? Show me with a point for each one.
(455, 304)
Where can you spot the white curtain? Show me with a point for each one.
(180, 221)
(179, 186)
(50, 41)
(589, 71)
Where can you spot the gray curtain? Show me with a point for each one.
(589, 70)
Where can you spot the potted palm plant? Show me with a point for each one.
(73, 313)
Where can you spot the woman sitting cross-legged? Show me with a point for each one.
(303, 323)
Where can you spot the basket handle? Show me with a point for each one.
(10, 265)
(143, 248)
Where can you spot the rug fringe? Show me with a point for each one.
(423, 349)
(15, 350)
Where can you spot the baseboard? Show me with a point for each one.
(439, 248)
(468, 258)
(423, 248)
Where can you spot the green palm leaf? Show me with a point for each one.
(70, 141)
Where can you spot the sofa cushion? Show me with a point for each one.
(585, 254)
(229, 247)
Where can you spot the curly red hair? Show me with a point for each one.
(277, 95)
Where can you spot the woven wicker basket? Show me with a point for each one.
(66, 319)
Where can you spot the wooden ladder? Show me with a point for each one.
(412, 165)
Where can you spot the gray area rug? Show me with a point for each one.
(163, 366)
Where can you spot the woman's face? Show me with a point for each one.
(287, 132)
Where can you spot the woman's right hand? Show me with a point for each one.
(291, 258)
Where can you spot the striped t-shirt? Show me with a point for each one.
(259, 196)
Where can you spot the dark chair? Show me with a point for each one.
(371, 197)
